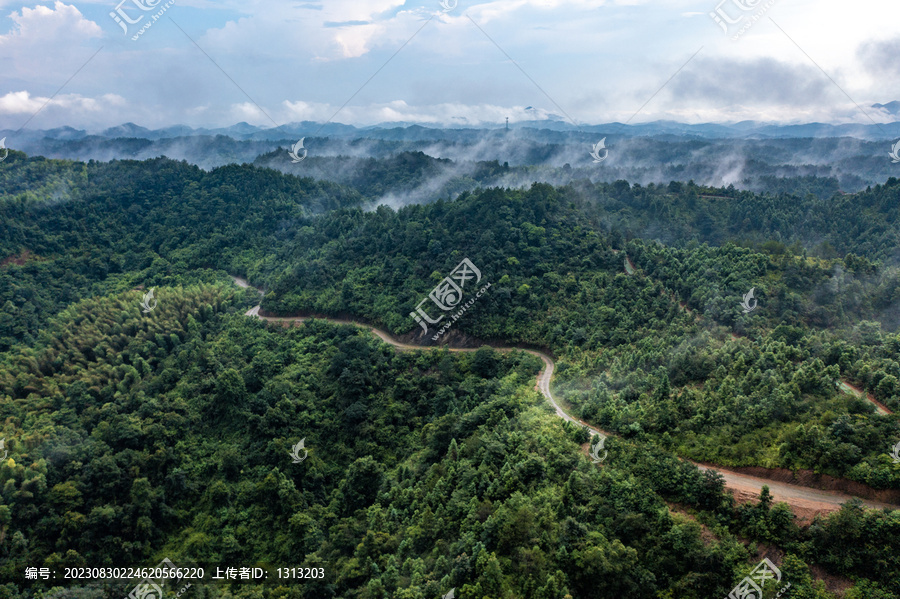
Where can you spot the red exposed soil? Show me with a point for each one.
(806, 511)
(869, 396)
(809, 479)
(837, 585)
(706, 535)
(18, 260)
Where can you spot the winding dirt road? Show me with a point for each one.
(806, 501)
(543, 380)
(854, 390)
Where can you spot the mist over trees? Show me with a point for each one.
(135, 435)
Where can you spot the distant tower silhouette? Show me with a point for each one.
(507, 123)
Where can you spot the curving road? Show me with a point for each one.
(804, 498)
(853, 390)
(543, 380)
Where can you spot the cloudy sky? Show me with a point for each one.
(211, 64)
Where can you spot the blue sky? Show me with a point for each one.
(271, 63)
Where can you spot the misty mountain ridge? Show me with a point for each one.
(415, 131)
(752, 156)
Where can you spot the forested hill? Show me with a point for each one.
(145, 438)
(825, 225)
(135, 437)
(808, 212)
(403, 178)
(79, 230)
(631, 358)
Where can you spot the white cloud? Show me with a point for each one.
(306, 32)
(44, 46)
(17, 108)
(600, 60)
(20, 103)
(449, 113)
(61, 24)
(250, 113)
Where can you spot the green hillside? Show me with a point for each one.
(135, 436)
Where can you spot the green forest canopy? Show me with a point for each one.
(135, 437)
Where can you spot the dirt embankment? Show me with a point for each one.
(707, 537)
(849, 387)
(745, 483)
(824, 482)
(19, 259)
(804, 509)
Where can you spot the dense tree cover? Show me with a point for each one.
(559, 158)
(101, 227)
(135, 436)
(632, 359)
(169, 434)
(557, 282)
(741, 403)
(827, 226)
(37, 178)
(797, 160)
(406, 176)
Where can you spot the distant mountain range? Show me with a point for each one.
(814, 158)
(415, 132)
